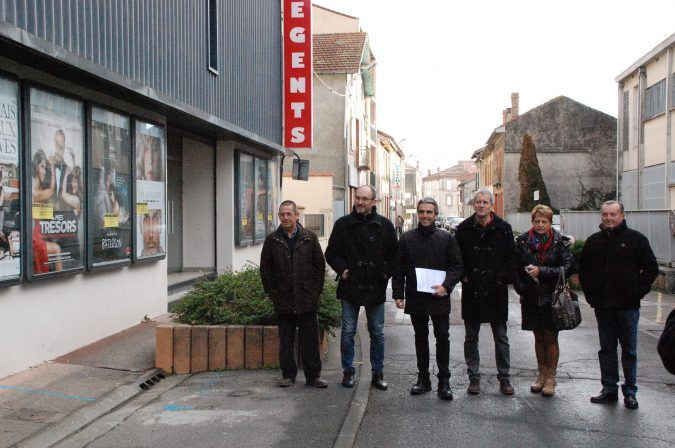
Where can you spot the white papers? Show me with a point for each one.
(428, 277)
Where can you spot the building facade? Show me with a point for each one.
(443, 186)
(646, 98)
(149, 138)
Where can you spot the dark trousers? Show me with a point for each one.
(441, 324)
(618, 325)
(308, 335)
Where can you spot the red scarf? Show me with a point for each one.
(539, 244)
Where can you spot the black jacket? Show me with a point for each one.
(617, 267)
(366, 245)
(556, 257)
(666, 345)
(293, 280)
(488, 257)
(430, 248)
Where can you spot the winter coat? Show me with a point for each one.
(617, 267)
(293, 280)
(556, 257)
(429, 248)
(666, 345)
(488, 257)
(366, 245)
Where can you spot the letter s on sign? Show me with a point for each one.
(298, 135)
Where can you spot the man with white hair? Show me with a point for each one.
(488, 255)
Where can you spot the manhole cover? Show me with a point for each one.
(239, 393)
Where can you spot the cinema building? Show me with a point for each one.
(140, 145)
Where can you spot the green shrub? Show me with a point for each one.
(238, 298)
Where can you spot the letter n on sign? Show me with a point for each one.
(297, 23)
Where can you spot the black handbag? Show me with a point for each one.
(565, 305)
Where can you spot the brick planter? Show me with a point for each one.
(191, 349)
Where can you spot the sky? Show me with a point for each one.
(446, 70)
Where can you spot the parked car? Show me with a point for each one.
(439, 222)
(447, 222)
(454, 222)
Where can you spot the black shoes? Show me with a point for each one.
(630, 402)
(348, 378)
(378, 381)
(444, 391)
(318, 382)
(474, 386)
(423, 385)
(285, 382)
(505, 387)
(609, 397)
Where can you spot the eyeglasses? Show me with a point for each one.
(362, 199)
(285, 214)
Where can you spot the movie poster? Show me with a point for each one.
(272, 196)
(261, 199)
(57, 200)
(10, 216)
(150, 191)
(246, 189)
(111, 180)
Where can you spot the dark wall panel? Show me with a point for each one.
(163, 44)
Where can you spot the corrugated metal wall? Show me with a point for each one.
(163, 44)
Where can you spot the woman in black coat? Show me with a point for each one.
(544, 253)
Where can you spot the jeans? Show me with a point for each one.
(308, 335)
(472, 356)
(375, 316)
(441, 323)
(618, 325)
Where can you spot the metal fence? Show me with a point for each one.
(657, 225)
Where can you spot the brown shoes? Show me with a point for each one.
(474, 386)
(505, 387)
(538, 384)
(549, 384)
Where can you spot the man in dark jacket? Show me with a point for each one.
(616, 270)
(488, 256)
(362, 251)
(292, 269)
(428, 250)
(666, 345)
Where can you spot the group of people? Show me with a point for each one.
(616, 269)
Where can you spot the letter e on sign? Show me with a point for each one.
(297, 32)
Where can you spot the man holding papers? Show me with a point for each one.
(429, 266)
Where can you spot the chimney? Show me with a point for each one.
(438, 169)
(514, 105)
(504, 117)
(428, 172)
(418, 164)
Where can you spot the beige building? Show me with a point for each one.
(391, 179)
(646, 142)
(443, 186)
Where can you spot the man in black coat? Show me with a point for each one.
(425, 250)
(362, 251)
(488, 256)
(616, 270)
(292, 270)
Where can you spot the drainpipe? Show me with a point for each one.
(642, 74)
(669, 128)
(619, 140)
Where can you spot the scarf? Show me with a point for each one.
(539, 244)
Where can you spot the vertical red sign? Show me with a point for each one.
(297, 73)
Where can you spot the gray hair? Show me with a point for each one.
(612, 203)
(484, 192)
(291, 203)
(428, 200)
(372, 190)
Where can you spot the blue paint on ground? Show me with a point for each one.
(47, 393)
(178, 407)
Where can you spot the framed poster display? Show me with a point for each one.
(110, 219)
(56, 203)
(261, 192)
(245, 193)
(150, 191)
(10, 183)
(273, 195)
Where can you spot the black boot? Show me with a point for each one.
(423, 385)
(444, 391)
(348, 378)
(378, 381)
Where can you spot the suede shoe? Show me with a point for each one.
(474, 386)
(630, 402)
(423, 385)
(505, 387)
(378, 381)
(444, 391)
(348, 378)
(318, 382)
(285, 382)
(605, 398)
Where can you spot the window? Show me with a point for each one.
(655, 100)
(448, 200)
(10, 183)
(625, 129)
(315, 223)
(213, 35)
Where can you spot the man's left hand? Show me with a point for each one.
(440, 290)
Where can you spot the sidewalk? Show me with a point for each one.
(80, 398)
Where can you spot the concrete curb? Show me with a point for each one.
(82, 417)
(352, 421)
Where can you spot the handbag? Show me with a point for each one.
(565, 305)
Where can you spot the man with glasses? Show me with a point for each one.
(292, 269)
(362, 251)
